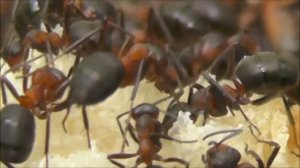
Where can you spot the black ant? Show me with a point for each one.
(17, 134)
(265, 73)
(16, 48)
(42, 92)
(83, 16)
(105, 73)
(183, 23)
(221, 155)
(209, 101)
(149, 131)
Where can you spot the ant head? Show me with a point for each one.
(145, 108)
(221, 155)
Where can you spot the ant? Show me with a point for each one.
(265, 73)
(16, 48)
(105, 73)
(85, 15)
(42, 92)
(149, 131)
(17, 134)
(221, 155)
(210, 101)
(183, 23)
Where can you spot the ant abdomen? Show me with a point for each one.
(265, 72)
(17, 133)
(95, 78)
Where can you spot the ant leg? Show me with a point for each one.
(206, 115)
(138, 161)
(134, 137)
(49, 55)
(125, 47)
(171, 138)
(121, 128)
(133, 93)
(256, 156)
(231, 111)
(10, 87)
(274, 152)
(233, 133)
(290, 118)
(76, 62)
(8, 165)
(263, 99)
(65, 119)
(86, 125)
(62, 87)
(26, 70)
(120, 156)
(103, 38)
(218, 86)
(118, 36)
(121, 22)
(172, 159)
(230, 61)
(234, 102)
(296, 154)
(47, 139)
(154, 15)
(75, 44)
(249, 121)
(22, 64)
(3, 92)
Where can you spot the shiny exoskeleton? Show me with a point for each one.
(149, 131)
(207, 101)
(268, 74)
(183, 23)
(37, 98)
(94, 79)
(17, 133)
(220, 155)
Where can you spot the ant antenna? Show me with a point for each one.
(233, 132)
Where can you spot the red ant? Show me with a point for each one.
(210, 101)
(265, 73)
(114, 72)
(42, 92)
(221, 155)
(16, 48)
(149, 131)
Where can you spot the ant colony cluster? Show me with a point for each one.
(99, 83)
